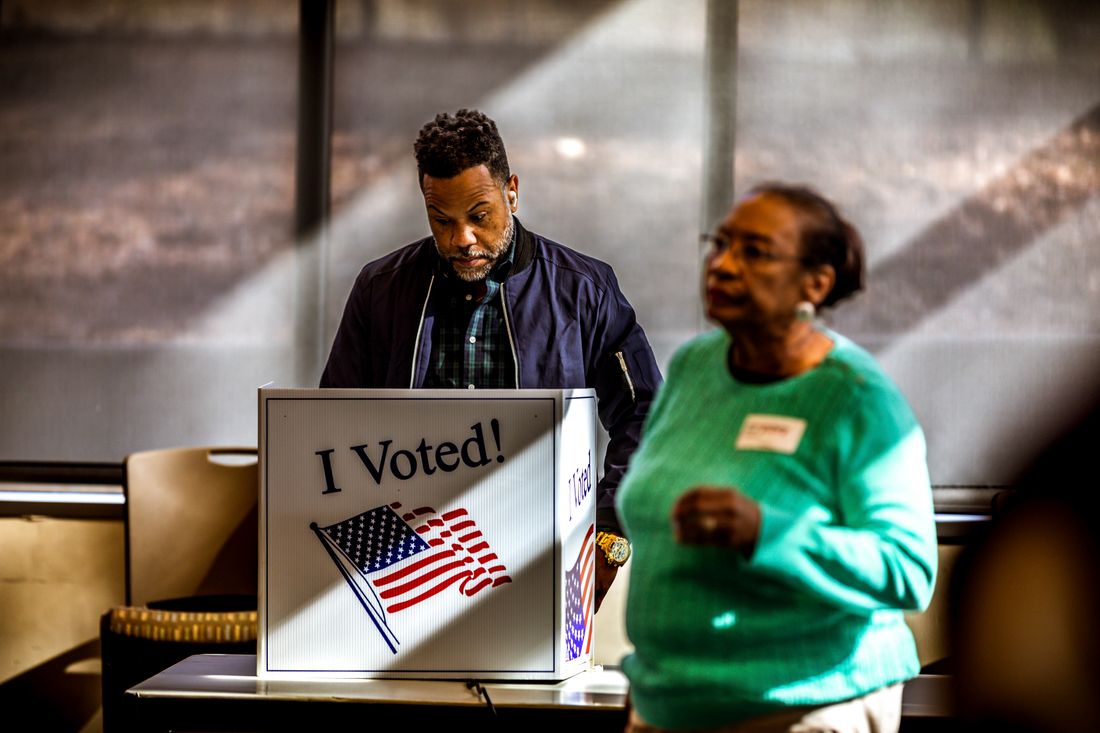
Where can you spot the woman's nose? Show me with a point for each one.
(726, 263)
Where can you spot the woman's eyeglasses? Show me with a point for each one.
(751, 254)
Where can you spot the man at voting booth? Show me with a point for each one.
(483, 303)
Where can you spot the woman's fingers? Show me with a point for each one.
(722, 517)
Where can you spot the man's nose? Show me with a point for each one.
(463, 236)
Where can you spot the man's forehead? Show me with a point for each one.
(464, 189)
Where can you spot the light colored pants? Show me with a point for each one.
(875, 712)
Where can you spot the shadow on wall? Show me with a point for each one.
(60, 694)
(1045, 188)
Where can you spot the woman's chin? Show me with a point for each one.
(725, 316)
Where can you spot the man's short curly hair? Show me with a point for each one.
(448, 145)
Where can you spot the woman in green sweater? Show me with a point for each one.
(779, 503)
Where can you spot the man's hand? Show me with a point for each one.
(723, 517)
(605, 576)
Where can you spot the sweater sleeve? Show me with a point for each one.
(879, 551)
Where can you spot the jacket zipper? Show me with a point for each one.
(508, 328)
(626, 373)
(419, 332)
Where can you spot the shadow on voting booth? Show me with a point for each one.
(427, 534)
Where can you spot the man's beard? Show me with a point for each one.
(493, 253)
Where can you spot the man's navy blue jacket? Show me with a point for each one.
(570, 326)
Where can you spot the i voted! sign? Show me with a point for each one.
(426, 533)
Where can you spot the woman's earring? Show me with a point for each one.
(805, 311)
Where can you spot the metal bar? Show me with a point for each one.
(61, 472)
(64, 490)
(720, 114)
(312, 199)
(62, 505)
(721, 110)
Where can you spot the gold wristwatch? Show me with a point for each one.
(615, 548)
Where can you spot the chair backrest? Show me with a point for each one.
(191, 523)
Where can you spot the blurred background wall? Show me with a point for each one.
(146, 200)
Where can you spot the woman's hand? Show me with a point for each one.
(723, 517)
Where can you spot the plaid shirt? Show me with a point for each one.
(470, 345)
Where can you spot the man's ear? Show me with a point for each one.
(512, 191)
(818, 283)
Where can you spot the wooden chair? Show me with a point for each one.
(191, 523)
(191, 544)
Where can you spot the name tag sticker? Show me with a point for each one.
(773, 433)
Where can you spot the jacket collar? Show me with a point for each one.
(525, 248)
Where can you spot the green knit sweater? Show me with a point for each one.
(836, 460)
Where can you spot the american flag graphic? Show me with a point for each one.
(579, 586)
(393, 561)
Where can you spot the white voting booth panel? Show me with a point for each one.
(426, 533)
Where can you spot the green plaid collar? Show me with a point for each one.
(471, 348)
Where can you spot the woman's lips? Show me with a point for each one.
(720, 297)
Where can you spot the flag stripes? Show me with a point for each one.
(579, 588)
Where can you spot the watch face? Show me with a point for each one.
(619, 551)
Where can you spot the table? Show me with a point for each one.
(221, 693)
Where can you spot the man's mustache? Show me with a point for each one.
(470, 252)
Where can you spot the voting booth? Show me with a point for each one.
(426, 533)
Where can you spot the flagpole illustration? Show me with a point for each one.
(374, 611)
